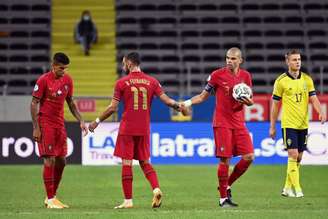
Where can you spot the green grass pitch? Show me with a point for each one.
(189, 192)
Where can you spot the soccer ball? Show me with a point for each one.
(241, 90)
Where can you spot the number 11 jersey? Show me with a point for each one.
(136, 91)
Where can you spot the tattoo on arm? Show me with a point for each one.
(34, 111)
(73, 108)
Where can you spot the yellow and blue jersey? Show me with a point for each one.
(294, 94)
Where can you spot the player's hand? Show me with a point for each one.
(83, 128)
(245, 100)
(272, 132)
(37, 134)
(322, 118)
(184, 110)
(92, 126)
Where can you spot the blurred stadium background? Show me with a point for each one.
(181, 43)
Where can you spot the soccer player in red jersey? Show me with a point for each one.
(47, 111)
(136, 91)
(230, 133)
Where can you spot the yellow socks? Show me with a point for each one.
(288, 183)
(293, 174)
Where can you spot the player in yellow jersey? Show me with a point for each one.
(296, 90)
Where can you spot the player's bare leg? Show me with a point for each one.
(151, 176)
(127, 178)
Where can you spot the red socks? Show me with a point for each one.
(239, 170)
(127, 178)
(223, 173)
(49, 181)
(150, 174)
(58, 175)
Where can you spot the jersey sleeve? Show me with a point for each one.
(158, 89)
(277, 90)
(310, 85)
(249, 80)
(117, 91)
(39, 88)
(211, 85)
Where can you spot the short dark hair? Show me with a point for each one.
(292, 52)
(61, 58)
(134, 57)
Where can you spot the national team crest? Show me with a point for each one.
(50, 147)
(66, 87)
(289, 142)
(59, 92)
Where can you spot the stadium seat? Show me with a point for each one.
(18, 46)
(211, 46)
(209, 20)
(146, 7)
(171, 46)
(40, 58)
(126, 20)
(207, 7)
(3, 46)
(127, 46)
(190, 33)
(40, 34)
(212, 58)
(250, 7)
(191, 58)
(166, 7)
(211, 33)
(228, 7)
(256, 70)
(149, 58)
(40, 46)
(129, 33)
(4, 7)
(293, 45)
(270, 7)
(126, 7)
(273, 33)
(3, 71)
(19, 70)
(20, 7)
(170, 58)
(170, 70)
(4, 20)
(273, 20)
(187, 7)
(253, 33)
(150, 46)
(17, 20)
(273, 58)
(188, 20)
(189, 46)
(275, 45)
(167, 20)
(276, 70)
(168, 33)
(3, 58)
(19, 34)
(18, 58)
(37, 70)
(40, 7)
(40, 20)
(17, 83)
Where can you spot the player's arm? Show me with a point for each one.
(169, 101)
(197, 99)
(273, 117)
(75, 112)
(112, 108)
(316, 104)
(34, 114)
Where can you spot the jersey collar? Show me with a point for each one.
(289, 75)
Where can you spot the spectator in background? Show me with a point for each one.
(85, 32)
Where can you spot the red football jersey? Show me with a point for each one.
(136, 90)
(229, 113)
(52, 93)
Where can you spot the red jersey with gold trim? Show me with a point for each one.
(136, 91)
(52, 93)
(229, 113)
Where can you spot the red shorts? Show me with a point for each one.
(232, 142)
(132, 147)
(53, 141)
